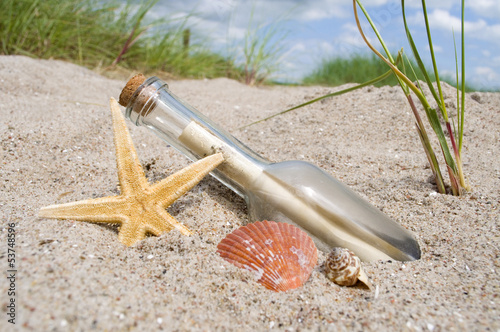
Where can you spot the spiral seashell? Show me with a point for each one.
(343, 267)
(282, 256)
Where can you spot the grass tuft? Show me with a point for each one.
(361, 68)
(106, 35)
(453, 157)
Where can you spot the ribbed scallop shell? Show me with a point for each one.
(343, 267)
(281, 255)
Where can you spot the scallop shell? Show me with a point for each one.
(343, 267)
(282, 256)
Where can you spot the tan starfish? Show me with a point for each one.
(141, 207)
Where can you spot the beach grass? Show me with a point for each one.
(353, 69)
(111, 36)
(263, 49)
(105, 35)
(454, 130)
(404, 72)
(75, 31)
(360, 68)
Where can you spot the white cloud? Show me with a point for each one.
(301, 10)
(326, 48)
(496, 61)
(484, 71)
(347, 41)
(487, 8)
(320, 29)
(298, 47)
(485, 77)
(444, 4)
(443, 20)
(436, 48)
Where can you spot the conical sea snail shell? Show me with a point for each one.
(282, 256)
(343, 267)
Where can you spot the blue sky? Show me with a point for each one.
(319, 29)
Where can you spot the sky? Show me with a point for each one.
(310, 31)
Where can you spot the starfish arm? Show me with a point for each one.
(165, 222)
(170, 189)
(104, 209)
(131, 233)
(130, 172)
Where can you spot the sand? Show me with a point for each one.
(57, 147)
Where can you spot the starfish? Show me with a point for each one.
(141, 207)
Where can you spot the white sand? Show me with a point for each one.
(57, 147)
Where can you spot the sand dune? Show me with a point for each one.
(57, 147)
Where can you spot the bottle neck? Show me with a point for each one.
(180, 125)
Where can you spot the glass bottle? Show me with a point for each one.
(296, 192)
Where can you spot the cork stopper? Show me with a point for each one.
(130, 88)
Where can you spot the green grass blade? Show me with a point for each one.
(431, 157)
(336, 93)
(416, 54)
(405, 82)
(462, 112)
(430, 112)
(375, 30)
(440, 101)
(390, 61)
(413, 71)
(457, 132)
(436, 126)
